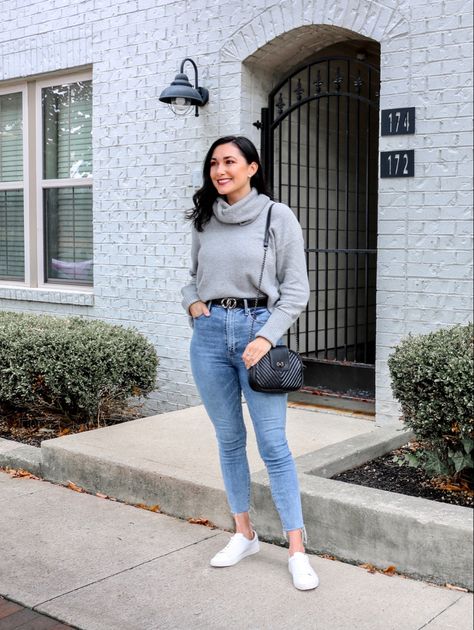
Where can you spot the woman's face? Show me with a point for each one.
(230, 172)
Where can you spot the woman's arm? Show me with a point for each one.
(189, 292)
(292, 277)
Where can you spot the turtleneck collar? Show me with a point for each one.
(244, 211)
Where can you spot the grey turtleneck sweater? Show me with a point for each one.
(226, 259)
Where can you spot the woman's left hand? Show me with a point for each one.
(255, 350)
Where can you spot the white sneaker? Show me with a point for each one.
(304, 576)
(237, 548)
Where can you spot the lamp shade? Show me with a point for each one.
(181, 88)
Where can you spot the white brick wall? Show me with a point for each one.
(144, 158)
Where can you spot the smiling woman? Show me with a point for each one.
(231, 173)
(231, 334)
(243, 166)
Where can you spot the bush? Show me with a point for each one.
(73, 365)
(432, 377)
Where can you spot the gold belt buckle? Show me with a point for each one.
(229, 302)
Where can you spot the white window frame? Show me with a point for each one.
(33, 183)
(52, 183)
(21, 184)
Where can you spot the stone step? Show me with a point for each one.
(172, 459)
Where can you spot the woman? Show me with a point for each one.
(227, 249)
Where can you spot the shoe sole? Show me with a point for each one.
(305, 588)
(250, 552)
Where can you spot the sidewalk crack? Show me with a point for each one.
(440, 613)
(197, 542)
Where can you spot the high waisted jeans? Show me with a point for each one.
(217, 346)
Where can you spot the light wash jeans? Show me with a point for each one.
(217, 346)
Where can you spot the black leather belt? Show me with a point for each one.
(230, 302)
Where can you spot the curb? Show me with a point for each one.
(424, 539)
(17, 455)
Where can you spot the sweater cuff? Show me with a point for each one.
(276, 326)
(189, 297)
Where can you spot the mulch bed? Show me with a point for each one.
(385, 474)
(32, 428)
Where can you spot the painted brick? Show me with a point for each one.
(145, 158)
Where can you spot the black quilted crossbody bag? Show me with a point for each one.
(280, 370)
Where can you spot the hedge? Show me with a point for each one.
(73, 365)
(432, 378)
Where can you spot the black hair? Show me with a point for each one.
(204, 198)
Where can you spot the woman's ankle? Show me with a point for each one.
(243, 525)
(292, 551)
(295, 541)
(248, 533)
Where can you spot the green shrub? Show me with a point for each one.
(73, 365)
(432, 378)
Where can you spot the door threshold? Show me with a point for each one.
(312, 397)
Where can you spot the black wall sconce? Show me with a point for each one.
(181, 96)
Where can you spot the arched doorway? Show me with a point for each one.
(320, 147)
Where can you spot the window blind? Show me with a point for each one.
(67, 130)
(67, 154)
(11, 138)
(68, 214)
(12, 249)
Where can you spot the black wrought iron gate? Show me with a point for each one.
(319, 146)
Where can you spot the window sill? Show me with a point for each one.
(54, 296)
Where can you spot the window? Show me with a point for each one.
(12, 252)
(46, 215)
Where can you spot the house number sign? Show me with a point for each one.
(397, 122)
(397, 163)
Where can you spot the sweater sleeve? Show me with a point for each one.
(292, 276)
(189, 292)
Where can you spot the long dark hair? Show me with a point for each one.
(204, 198)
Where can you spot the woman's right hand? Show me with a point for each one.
(198, 308)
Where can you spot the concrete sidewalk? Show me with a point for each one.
(171, 460)
(99, 564)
